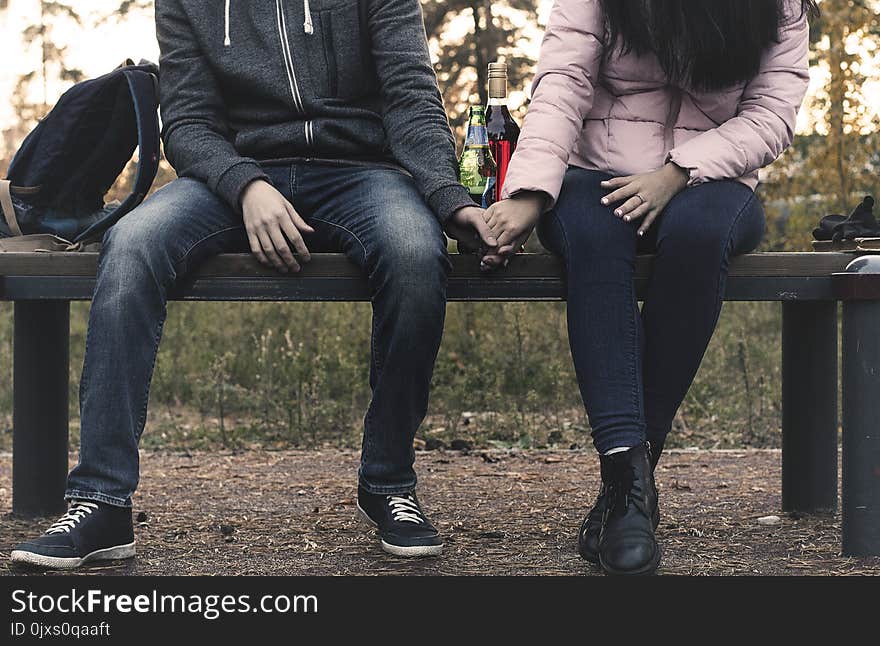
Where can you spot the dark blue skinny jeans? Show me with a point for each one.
(376, 216)
(634, 367)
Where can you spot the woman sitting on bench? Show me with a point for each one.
(647, 127)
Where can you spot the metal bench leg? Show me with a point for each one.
(809, 407)
(861, 428)
(40, 407)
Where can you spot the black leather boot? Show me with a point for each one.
(588, 537)
(626, 541)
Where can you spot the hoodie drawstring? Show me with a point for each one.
(227, 41)
(307, 25)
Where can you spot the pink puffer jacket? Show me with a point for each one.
(618, 114)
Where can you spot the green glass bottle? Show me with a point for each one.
(476, 168)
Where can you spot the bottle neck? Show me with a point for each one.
(497, 86)
(477, 135)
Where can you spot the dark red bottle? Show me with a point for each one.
(502, 129)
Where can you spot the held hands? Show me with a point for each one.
(646, 195)
(468, 226)
(512, 221)
(272, 226)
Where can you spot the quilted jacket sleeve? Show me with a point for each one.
(562, 96)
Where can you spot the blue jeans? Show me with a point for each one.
(635, 367)
(376, 216)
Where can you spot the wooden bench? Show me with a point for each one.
(809, 286)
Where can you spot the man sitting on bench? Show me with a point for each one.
(290, 130)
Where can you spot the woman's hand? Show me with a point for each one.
(646, 195)
(272, 226)
(511, 222)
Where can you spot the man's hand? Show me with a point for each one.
(272, 225)
(468, 226)
(512, 221)
(646, 195)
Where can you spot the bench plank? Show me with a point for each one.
(331, 277)
(336, 265)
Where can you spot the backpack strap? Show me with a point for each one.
(8, 208)
(44, 242)
(145, 98)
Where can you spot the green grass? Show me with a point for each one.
(296, 374)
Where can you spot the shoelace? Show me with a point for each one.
(77, 511)
(404, 509)
(623, 490)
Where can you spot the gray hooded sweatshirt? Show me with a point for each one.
(248, 81)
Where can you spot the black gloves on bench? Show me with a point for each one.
(861, 223)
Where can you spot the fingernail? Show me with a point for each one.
(641, 233)
(604, 200)
(618, 213)
(627, 219)
(493, 242)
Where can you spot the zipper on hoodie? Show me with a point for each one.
(288, 57)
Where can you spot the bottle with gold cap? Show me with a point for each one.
(503, 131)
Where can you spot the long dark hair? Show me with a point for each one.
(701, 44)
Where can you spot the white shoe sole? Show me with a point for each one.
(115, 553)
(400, 550)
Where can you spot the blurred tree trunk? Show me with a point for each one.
(480, 62)
(841, 18)
(496, 32)
(53, 65)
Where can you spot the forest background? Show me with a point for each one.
(232, 375)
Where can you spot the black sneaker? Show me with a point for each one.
(403, 528)
(89, 531)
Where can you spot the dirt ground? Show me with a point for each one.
(501, 513)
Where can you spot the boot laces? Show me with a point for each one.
(76, 512)
(624, 489)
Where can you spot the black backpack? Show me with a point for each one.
(53, 197)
